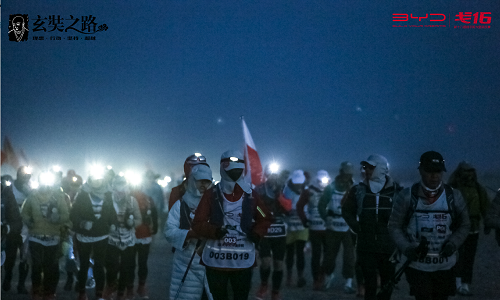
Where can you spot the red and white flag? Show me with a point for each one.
(252, 160)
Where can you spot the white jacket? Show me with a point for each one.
(195, 281)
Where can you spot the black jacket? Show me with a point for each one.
(371, 228)
(82, 211)
(11, 215)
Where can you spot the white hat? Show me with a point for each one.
(201, 172)
(232, 159)
(298, 177)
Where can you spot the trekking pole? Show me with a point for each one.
(187, 269)
(387, 289)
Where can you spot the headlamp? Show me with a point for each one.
(27, 170)
(47, 179)
(232, 159)
(97, 172)
(274, 168)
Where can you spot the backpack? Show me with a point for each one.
(361, 193)
(450, 200)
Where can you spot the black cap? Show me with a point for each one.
(432, 161)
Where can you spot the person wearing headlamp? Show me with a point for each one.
(297, 235)
(434, 211)
(366, 209)
(92, 215)
(178, 191)
(120, 254)
(272, 247)
(179, 233)
(45, 212)
(233, 219)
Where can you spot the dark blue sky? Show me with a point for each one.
(318, 82)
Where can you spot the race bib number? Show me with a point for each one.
(234, 251)
(228, 256)
(276, 230)
(433, 260)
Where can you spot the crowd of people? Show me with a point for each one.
(101, 227)
(219, 232)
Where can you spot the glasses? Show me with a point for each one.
(196, 159)
(232, 159)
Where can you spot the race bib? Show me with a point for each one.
(233, 251)
(276, 230)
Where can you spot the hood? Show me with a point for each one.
(226, 182)
(192, 196)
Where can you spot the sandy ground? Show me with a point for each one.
(486, 282)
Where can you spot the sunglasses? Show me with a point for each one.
(196, 159)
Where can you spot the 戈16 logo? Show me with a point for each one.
(18, 28)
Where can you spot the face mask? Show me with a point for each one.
(431, 193)
(234, 174)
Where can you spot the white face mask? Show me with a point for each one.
(431, 192)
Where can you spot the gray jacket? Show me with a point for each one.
(398, 220)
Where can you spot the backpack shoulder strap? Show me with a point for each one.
(452, 208)
(413, 202)
(450, 199)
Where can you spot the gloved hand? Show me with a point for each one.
(419, 252)
(54, 216)
(220, 232)
(191, 235)
(448, 249)
(87, 225)
(411, 253)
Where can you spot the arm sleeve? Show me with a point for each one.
(64, 211)
(262, 216)
(154, 216)
(201, 225)
(75, 214)
(12, 214)
(26, 212)
(350, 210)
(461, 219)
(175, 236)
(396, 225)
(303, 200)
(323, 202)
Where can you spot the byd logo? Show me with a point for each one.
(463, 17)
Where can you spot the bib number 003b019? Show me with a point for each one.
(229, 256)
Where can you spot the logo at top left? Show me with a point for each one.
(18, 28)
